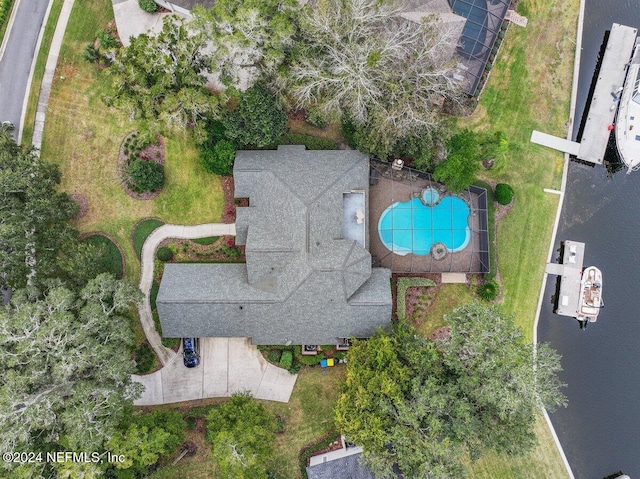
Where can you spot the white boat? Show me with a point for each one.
(590, 301)
(627, 126)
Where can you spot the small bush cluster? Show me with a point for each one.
(218, 159)
(164, 253)
(311, 360)
(102, 50)
(488, 290)
(503, 193)
(148, 5)
(145, 175)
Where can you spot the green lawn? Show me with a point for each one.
(141, 232)
(83, 137)
(113, 258)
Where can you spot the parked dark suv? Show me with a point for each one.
(190, 355)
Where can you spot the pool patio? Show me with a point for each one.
(388, 186)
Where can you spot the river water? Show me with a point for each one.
(600, 428)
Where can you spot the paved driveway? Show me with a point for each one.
(227, 365)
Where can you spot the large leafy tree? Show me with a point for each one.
(65, 370)
(248, 38)
(258, 120)
(422, 404)
(362, 56)
(36, 239)
(143, 439)
(242, 432)
(163, 77)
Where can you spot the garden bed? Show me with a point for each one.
(151, 152)
(222, 250)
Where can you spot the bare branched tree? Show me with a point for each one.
(376, 62)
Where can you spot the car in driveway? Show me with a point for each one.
(190, 354)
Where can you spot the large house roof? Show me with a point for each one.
(347, 467)
(308, 277)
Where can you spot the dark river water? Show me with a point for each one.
(600, 428)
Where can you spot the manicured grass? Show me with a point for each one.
(206, 241)
(448, 298)
(529, 89)
(38, 72)
(403, 284)
(142, 231)
(5, 12)
(113, 258)
(83, 137)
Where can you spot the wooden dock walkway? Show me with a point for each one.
(570, 272)
(602, 110)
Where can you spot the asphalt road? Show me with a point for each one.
(15, 64)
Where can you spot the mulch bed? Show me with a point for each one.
(297, 114)
(152, 152)
(82, 203)
(229, 213)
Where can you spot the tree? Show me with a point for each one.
(219, 158)
(249, 39)
(65, 371)
(456, 172)
(258, 119)
(145, 175)
(35, 217)
(364, 58)
(242, 432)
(422, 404)
(143, 439)
(163, 77)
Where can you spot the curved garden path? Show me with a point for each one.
(147, 262)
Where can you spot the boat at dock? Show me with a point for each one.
(627, 125)
(590, 301)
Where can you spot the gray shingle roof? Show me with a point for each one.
(343, 468)
(189, 4)
(303, 282)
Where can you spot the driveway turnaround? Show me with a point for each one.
(133, 21)
(227, 365)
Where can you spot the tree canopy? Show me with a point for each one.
(65, 371)
(365, 58)
(163, 77)
(36, 240)
(423, 404)
(242, 432)
(258, 120)
(248, 38)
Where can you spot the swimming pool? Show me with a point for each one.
(413, 227)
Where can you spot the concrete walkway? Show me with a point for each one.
(227, 365)
(49, 72)
(147, 262)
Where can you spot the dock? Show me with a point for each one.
(570, 272)
(602, 109)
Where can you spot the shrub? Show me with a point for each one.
(145, 176)
(339, 355)
(503, 193)
(311, 360)
(148, 5)
(219, 159)
(286, 360)
(106, 40)
(91, 53)
(274, 356)
(258, 120)
(164, 253)
(488, 290)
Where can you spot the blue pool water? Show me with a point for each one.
(412, 227)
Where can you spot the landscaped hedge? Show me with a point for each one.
(403, 284)
(113, 260)
(286, 360)
(310, 142)
(504, 193)
(142, 231)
